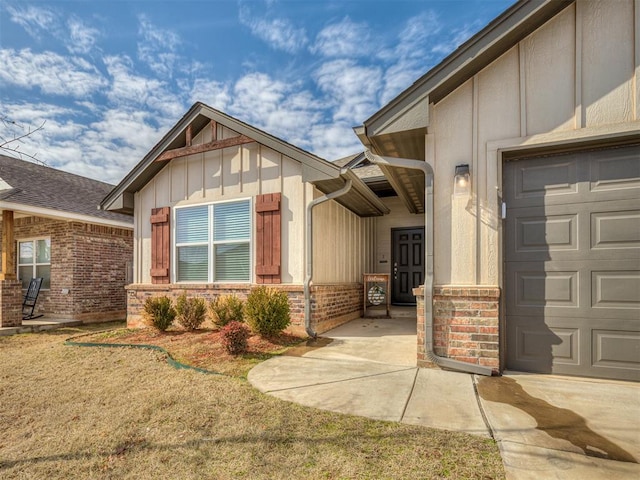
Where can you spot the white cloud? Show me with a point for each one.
(333, 140)
(279, 108)
(351, 88)
(136, 91)
(104, 149)
(158, 47)
(82, 38)
(344, 39)
(412, 55)
(278, 33)
(50, 73)
(213, 93)
(34, 20)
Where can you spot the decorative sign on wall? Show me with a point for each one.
(376, 291)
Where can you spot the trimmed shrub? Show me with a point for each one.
(159, 312)
(191, 311)
(234, 337)
(267, 311)
(225, 309)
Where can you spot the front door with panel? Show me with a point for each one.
(408, 264)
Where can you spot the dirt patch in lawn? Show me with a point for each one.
(202, 348)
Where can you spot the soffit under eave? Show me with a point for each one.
(359, 199)
(409, 184)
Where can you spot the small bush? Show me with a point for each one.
(159, 312)
(191, 311)
(234, 337)
(225, 309)
(267, 311)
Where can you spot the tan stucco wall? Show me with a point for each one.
(230, 173)
(573, 79)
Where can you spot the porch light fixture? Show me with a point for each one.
(462, 180)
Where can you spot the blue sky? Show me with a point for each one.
(111, 77)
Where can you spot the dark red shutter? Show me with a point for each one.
(268, 238)
(160, 245)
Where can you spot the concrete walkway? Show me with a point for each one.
(546, 426)
(39, 325)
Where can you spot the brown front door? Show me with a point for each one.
(408, 264)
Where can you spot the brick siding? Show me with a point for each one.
(10, 303)
(88, 261)
(465, 324)
(331, 305)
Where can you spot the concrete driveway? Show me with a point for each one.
(546, 426)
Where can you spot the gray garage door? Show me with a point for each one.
(572, 263)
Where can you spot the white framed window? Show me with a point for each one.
(213, 242)
(34, 260)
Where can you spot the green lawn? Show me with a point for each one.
(72, 412)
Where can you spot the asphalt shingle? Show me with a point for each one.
(41, 186)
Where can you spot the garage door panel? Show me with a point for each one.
(618, 290)
(614, 230)
(617, 349)
(614, 171)
(534, 346)
(546, 289)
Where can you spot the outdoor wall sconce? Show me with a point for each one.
(462, 180)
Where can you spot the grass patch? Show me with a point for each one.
(123, 413)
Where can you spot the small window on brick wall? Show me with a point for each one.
(34, 260)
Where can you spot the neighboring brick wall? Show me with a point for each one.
(331, 305)
(101, 257)
(466, 324)
(10, 303)
(89, 261)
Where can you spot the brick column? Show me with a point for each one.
(10, 303)
(465, 324)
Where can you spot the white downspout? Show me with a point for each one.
(309, 252)
(428, 281)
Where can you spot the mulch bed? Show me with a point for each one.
(203, 348)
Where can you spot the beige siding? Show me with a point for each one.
(398, 218)
(341, 240)
(573, 78)
(226, 174)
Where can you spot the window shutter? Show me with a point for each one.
(160, 245)
(268, 238)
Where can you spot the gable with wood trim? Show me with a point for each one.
(220, 207)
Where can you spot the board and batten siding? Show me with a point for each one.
(231, 173)
(343, 244)
(575, 77)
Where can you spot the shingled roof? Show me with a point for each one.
(40, 188)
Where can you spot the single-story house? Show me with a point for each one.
(500, 192)
(51, 228)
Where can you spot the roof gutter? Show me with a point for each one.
(309, 251)
(428, 282)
